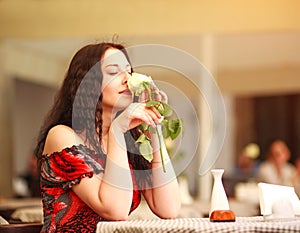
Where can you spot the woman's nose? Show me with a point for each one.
(125, 76)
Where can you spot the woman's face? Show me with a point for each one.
(280, 153)
(116, 70)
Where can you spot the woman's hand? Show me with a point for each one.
(159, 96)
(136, 114)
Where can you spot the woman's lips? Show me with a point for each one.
(125, 92)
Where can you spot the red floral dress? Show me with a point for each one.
(63, 210)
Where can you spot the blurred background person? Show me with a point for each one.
(32, 177)
(276, 169)
(247, 163)
(242, 181)
(27, 184)
(296, 176)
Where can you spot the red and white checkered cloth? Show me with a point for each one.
(184, 225)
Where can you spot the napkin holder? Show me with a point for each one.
(278, 202)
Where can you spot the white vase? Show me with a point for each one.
(219, 199)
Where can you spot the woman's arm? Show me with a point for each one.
(164, 196)
(107, 198)
(110, 196)
(113, 196)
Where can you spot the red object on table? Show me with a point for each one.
(222, 216)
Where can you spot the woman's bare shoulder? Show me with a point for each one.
(60, 137)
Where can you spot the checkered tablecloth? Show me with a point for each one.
(184, 225)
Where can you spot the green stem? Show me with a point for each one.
(147, 87)
(148, 90)
(160, 150)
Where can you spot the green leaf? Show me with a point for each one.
(142, 138)
(146, 86)
(152, 130)
(167, 110)
(165, 131)
(163, 108)
(152, 103)
(175, 134)
(164, 122)
(146, 150)
(174, 128)
(164, 127)
(172, 124)
(160, 108)
(144, 127)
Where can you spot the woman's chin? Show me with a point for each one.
(122, 104)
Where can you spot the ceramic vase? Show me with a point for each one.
(219, 200)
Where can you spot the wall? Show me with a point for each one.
(254, 44)
(69, 18)
(30, 104)
(6, 128)
(28, 65)
(237, 71)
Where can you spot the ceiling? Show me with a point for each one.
(239, 40)
(100, 18)
(234, 51)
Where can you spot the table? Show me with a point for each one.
(21, 228)
(24, 209)
(183, 225)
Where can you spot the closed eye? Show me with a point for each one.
(114, 69)
(129, 71)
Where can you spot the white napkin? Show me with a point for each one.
(28, 214)
(3, 221)
(278, 202)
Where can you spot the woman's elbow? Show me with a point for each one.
(114, 212)
(171, 213)
(116, 216)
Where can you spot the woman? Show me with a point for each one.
(277, 169)
(90, 168)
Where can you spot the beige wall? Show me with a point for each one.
(253, 45)
(69, 18)
(17, 62)
(6, 129)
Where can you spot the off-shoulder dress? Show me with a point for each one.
(63, 210)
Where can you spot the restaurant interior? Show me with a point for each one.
(248, 49)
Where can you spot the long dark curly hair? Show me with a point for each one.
(78, 104)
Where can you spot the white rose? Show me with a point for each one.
(136, 81)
